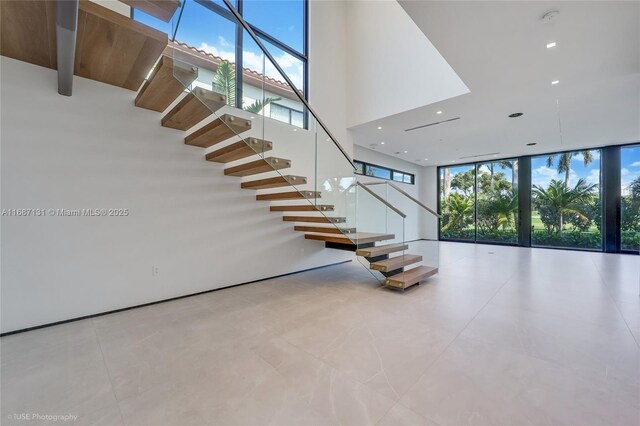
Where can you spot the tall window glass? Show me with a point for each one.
(457, 203)
(497, 201)
(630, 200)
(566, 200)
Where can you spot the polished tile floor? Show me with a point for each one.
(502, 335)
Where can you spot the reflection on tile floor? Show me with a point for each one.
(502, 335)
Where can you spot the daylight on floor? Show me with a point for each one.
(310, 212)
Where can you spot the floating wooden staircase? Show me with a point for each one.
(114, 49)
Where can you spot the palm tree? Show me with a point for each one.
(563, 199)
(447, 182)
(504, 207)
(224, 81)
(564, 162)
(460, 211)
(513, 165)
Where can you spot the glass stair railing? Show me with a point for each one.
(420, 228)
(268, 136)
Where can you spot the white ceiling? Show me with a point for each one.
(499, 50)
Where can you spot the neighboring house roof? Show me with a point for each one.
(208, 61)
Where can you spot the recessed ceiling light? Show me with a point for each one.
(550, 45)
(453, 161)
(295, 130)
(555, 82)
(379, 127)
(252, 117)
(495, 155)
(532, 143)
(426, 159)
(438, 112)
(406, 152)
(381, 143)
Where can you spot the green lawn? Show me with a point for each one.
(537, 223)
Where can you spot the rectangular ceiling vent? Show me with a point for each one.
(432, 124)
(479, 155)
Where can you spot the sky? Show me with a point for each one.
(541, 174)
(205, 30)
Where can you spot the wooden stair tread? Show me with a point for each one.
(325, 229)
(161, 9)
(262, 165)
(291, 195)
(381, 250)
(110, 47)
(193, 108)
(360, 237)
(410, 277)
(162, 87)
(314, 219)
(28, 32)
(219, 130)
(395, 262)
(113, 48)
(302, 208)
(274, 182)
(239, 150)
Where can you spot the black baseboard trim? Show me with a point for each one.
(51, 324)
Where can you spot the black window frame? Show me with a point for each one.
(392, 172)
(610, 188)
(289, 111)
(239, 42)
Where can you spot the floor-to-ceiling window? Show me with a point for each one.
(497, 201)
(229, 61)
(566, 201)
(630, 200)
(457, 202)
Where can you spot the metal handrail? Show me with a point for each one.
(382, 200)
(255, 38)
(400, 190)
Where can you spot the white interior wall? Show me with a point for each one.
(392, 67)
(96, 150)
(328, 70)
(429, 196)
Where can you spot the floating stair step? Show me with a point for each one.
(410, 277)
(314, 219)
(325, 230)
(28, 32)
(292, 195)
(239, 150)
(110, 47)
(113, 48)
(397, 262)
(274, 182)
(165, 84)
(219, 130)
(381, 250)
(303, 208)
(262, 165)
(360, 237)
(193, 108)
(161, 9)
